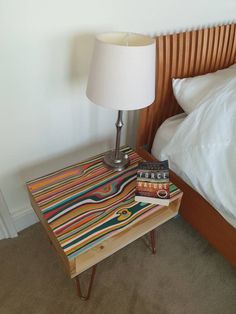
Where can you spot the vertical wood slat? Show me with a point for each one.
(192, 58)
(220, 46)
(184, 55)
(167, 83)
(232, 37)
(210, 50)
(180, 55)
(224, 46)
(199, 51)
(204, 51)
(233, 53)
(174, 53)
(215, 47)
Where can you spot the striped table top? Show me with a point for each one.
(85, 203)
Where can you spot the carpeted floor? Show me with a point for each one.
(186, 276)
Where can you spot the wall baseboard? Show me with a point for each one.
(24, 218)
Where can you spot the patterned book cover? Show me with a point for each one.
(153, 184)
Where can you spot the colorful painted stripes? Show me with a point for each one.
(86, 203)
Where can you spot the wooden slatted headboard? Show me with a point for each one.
(184, 55)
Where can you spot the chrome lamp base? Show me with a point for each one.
(117, 164)
(116, 159)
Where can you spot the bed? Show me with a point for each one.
(189, 54)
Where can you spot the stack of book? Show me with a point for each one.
(153, 185)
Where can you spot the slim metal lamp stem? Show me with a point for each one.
(116, 159)
(119, 125)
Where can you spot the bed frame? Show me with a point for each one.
(181, 55)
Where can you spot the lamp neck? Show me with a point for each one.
(119, 125)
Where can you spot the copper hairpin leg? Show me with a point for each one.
(153, 240)
(86, 297)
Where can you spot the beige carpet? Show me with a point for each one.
(186, 276)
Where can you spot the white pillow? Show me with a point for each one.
(191, 92)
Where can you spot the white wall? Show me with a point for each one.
(46, 121)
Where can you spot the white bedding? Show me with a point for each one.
(166, 131)
(201, 149)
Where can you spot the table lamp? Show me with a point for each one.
(122, 77)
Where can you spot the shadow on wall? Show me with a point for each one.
(132, 127)
(81, 54)
(66, 159)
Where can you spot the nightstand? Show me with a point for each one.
(89, 212)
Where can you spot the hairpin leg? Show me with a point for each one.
(153, 240)
(86, 297)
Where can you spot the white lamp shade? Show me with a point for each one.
(122, 72)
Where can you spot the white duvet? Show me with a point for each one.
(203, 150)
